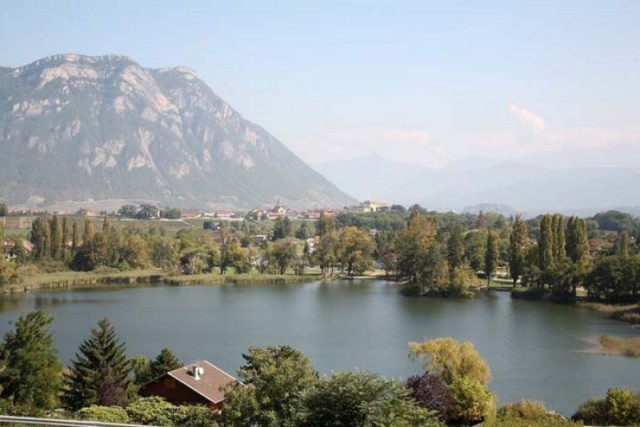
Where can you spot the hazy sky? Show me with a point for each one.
(426, 82)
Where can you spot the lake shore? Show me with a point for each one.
(84, 279)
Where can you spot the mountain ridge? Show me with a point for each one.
(85, 128)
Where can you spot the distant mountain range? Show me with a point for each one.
(524, 186)
(79, 129)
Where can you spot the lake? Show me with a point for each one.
(535, 349)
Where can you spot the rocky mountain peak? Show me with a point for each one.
(103, 127)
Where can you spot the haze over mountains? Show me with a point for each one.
(104, 129)
(576, 182)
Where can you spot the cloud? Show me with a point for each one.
(526, 117)
(410, 145)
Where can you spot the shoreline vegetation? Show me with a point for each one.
(83, 279)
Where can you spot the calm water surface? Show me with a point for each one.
(534, 348)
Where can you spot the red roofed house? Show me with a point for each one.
(198, 383)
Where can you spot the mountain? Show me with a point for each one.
(80, 128)
(369, 177)
(570, 183)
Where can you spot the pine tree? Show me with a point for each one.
(517, 248)
(100, 372)
(165, 362)
(32, 375)
(491, 255)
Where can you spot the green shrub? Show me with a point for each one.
(471, 401)
(107, 414)
(194, 416)
(620, 407)
(151, 410)
(527, 409)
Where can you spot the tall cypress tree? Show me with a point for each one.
(31, 377)
(100, 372)
(517, 248)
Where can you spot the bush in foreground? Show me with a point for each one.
(106, 414)
(619, 407)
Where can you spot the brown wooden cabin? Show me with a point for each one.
(198, 383)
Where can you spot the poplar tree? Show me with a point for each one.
(517, 248)
(88, 233)
(100, 371)
(65, 236)
(40, 237)
(622, 244)
(577, 240)
(559, 251)
(31, 377)
(546, 244)
(55, 232)
(75, 235)
(491, 255)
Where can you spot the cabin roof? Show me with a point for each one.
(210, 383)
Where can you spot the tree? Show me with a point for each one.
(100, 371)
(471, 401)
(475, 246)
(88, 233)
(362, 399)
(412, 246)
(41, 238)
(325, 225)
(517, 248)
(546, 244)
(559, 250)
(622, 244)
(31, 377)
(282, 228)
(75, 235)
(431, 392)
(275, 378)
(55, 231)
(4, 209)
(303, 232)
(491, 255)
(165, 361)
(449, 359)
(354, 250)
(577, 240)
(127, 211)
(455, 247)
(282, 254)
